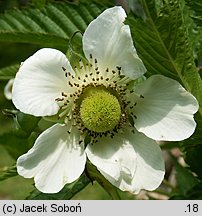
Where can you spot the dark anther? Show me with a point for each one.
(107, 70)
(135, 104)
(91, 56)
(79, 78)
(93, 79)
(59, 99)
(97, 72)
(80, 60)
(84, 80)
(68, 132)
(135, 116)
(80, 141)
(119, 68)
(107, 79)
(101, 78)
(113, 72)
(70, 84)
(131, 91)
(64, 69)
(63, 94)
(141, 96)
(86, 75)
(112, 135)
(66, 74)
(97, 79)
(95, 61)
(91, 74)
(96, 68)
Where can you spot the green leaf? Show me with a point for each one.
(192, 149)
(66, 193)
(193, 158)
(27, 122)
(195, 193)
(163, 43)
(196, 7)
(185, 179)
(14, 145)
(52, 26)
(9, 72)
(8, 172)
(39, 3)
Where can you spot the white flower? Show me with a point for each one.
(94, 100)
(8, 89)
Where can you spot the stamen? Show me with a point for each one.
(63, 94)
(59, 99)
(119, 68)
(89, 76)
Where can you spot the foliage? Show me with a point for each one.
(8, 172)
(8, 72)
(53, 25)
(196, 7)
(167, 51)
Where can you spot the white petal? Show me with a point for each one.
(150, 163)
(39, 81)
(109, 154)
(8, 89)
(109, 40)
(55, 159)
(166, 111)
(129, 161)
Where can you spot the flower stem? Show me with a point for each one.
(169, 185)
(106, 185)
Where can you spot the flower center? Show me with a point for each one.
(100, 110)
